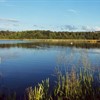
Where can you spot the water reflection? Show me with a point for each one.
(31, 44)
(26, 64)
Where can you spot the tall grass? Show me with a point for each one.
(69, 86)
(40, 92)
(73, 86)
(77, 84)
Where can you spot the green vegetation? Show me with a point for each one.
(75, 84)
(37, 34)
(38, 93)
(69, 87)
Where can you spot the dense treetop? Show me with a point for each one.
(41, 34)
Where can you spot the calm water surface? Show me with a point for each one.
(23, 66)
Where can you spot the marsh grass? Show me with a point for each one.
(69, 86)
(40, 92)
(73, 86)
(81, 83)
(76, 86)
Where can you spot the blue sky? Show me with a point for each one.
(55, 15)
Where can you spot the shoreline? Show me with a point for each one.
(59, 40)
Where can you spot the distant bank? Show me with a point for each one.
(70, 41)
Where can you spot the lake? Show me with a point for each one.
(24, 64)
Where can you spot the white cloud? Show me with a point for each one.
(8, 20)
(87, 28)
(68, 27)
(73, 11)
(8, 24)
(97, 28)
(90, 28)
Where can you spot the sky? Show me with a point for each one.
(54, 15)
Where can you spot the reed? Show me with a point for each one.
(40, 92)
(70, 86)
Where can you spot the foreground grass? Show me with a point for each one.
(71, 86)
(74, 85)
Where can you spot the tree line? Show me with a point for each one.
(41, 34)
